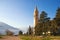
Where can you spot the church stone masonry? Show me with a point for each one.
(53, 26)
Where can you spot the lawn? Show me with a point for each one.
(34, 38)
(39, 38)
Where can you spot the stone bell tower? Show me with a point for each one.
(35, 16)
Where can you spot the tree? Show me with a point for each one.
(38, 29)
(58, 13)
(30, 30)
(56, 23)
(57, 18)
(20, 32)
(42, 26)
(43, 16)
(44, 19)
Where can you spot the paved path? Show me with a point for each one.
(10, 38)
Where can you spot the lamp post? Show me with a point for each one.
(49, 33)
(43, 34)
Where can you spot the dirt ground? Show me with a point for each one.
(10, 38)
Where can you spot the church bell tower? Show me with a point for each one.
(35, 16)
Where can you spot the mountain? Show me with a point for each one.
(4, 27)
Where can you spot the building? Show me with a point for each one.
(43, 23)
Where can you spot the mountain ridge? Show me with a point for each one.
(4, 27)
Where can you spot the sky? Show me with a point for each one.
(20, 13)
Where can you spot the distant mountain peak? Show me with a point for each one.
(4, 27)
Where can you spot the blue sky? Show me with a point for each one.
(19, 13)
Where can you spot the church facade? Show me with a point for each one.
(44, 25)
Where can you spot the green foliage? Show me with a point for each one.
(0, 36)
(38, 29)
(43, 16)
(30, 31)
(58, 13)
(43, 25)
(20, 32)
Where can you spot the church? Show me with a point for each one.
(44, 25)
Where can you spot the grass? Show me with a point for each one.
(23, 37)
(46, 38)
(33, 38)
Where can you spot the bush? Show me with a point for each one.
(0, 36)
(20, 32)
